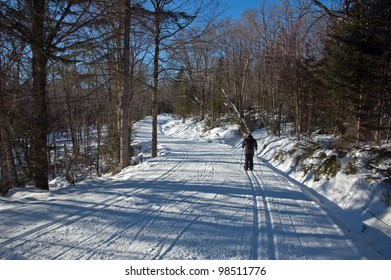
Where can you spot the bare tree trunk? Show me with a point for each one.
(155, 90)
(359, 120)
(125, 100)
(8, 175)
(69, 174)
(297, 101)
(3, 162)
(4, 182)
(11, 161)
(38, 160)
(157, 21)
(97, 164)
(168, 18)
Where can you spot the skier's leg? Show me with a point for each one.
(251, 162)
(246, 161)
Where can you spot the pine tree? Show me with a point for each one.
(184, 105)
(356, 68)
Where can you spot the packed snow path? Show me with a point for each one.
(192, 202)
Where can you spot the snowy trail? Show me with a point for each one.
(192, 202)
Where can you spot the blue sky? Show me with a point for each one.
(236, 7)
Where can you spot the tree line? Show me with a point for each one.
(69, 66)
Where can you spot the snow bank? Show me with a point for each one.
(192, 130)
(354, 196)
(59, 182)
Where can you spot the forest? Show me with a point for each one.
(76, 74)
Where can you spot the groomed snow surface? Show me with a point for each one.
(194, 201)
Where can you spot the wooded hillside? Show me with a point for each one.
(82, 72)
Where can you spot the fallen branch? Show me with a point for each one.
(232, 105)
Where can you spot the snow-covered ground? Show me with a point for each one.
(194, 201)
(357, 203)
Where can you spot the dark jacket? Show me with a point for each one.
(249, 144)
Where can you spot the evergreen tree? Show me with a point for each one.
(184, 105)
(356, 68)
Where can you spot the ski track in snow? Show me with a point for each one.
(192, 202)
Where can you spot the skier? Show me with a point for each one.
(249, 145)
